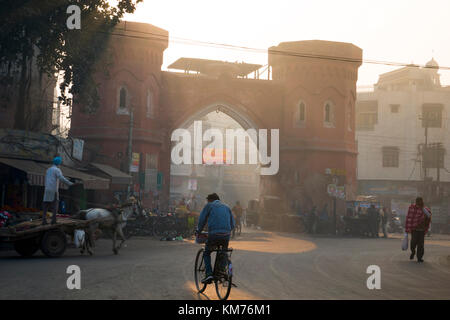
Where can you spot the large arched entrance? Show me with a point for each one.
(233, 182)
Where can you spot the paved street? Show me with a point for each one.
(266, 266)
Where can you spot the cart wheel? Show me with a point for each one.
(54, 243)
(27, 247)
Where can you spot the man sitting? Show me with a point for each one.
(220, 224)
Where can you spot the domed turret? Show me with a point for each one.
(432, 64)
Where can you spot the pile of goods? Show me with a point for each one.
(18, 209)
(20, 214)
(5, 218)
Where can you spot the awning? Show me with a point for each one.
(89, 181)
(36, 174)
(35, 171)
(117, 176)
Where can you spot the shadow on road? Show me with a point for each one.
(210, 293)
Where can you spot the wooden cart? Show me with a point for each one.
(30, 236)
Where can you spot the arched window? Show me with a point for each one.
(329, 119)
(123, 101)
(150, 105)
(300, 115)
(123, 98)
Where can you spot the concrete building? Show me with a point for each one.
(407, 108)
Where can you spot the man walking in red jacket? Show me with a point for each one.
(417, 223)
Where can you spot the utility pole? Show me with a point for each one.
(438, 160)
(438, 153)
(130, 148)
(334, 215)
(425, 147)
(424, 150)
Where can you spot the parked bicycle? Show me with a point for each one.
(222, 270)
(171, 225)
(164, 225)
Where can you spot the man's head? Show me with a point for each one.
(212, 197)
(238, 203)
(419, 202)
(57, 161)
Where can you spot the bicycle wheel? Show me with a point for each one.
(200, 271)
(223, 282)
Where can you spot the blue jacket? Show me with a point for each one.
(218, 216)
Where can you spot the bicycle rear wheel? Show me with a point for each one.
(223, 283)
(200, 271)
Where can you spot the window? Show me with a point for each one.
(394, 108)
(123, 101)
(150, 105)
(366, 115)
(123, 98)
(390, 157)
(432, 115)
(151, 161)
(329, 114)
(300, 115)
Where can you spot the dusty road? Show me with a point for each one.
(266, 266)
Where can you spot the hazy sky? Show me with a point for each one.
(388, 30)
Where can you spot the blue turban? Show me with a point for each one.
(57, 161)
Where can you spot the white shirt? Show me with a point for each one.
(428, 214)
(52, 177)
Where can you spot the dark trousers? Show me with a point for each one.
(373, 227)
(54, 205)
(212, 242)
(418, 241)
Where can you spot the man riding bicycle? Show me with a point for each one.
(220, 224)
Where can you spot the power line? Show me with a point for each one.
(160, 37)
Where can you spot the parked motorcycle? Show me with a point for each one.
(395, 225)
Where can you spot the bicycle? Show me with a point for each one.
(169, 225)
(164, 225)
(222, 270)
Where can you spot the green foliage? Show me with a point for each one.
(37, 28)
